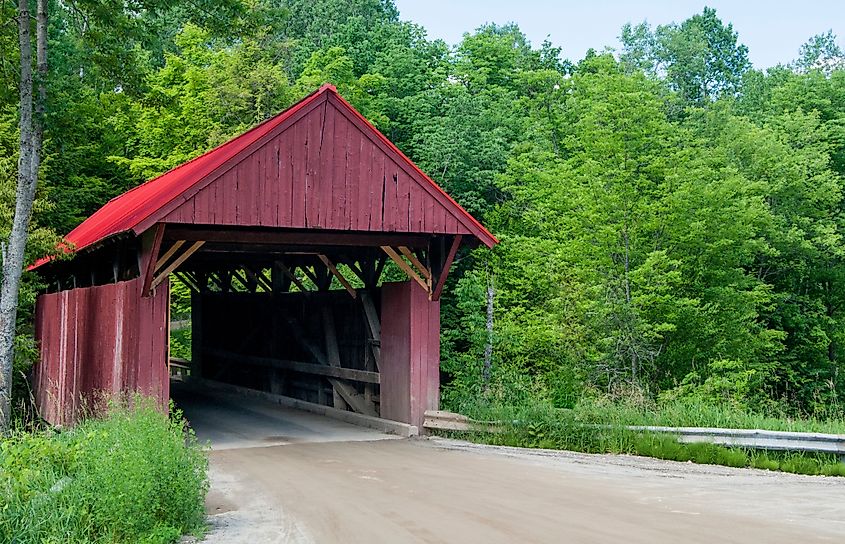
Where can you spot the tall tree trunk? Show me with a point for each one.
(629, 311)
(41, 101)
(29, 161)
(488, 346)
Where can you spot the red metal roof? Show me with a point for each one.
(136, 209)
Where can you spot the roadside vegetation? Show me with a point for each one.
(599, 428)
(134, 475)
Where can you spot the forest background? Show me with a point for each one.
(671, 219)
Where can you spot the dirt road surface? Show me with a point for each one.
(282, 476)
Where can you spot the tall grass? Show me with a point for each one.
(134, 475)
(600, 428)
(688, 413)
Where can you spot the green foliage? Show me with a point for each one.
(180, 319)
(599, 428)
(133, 476)
(670, 222)
(700, 57)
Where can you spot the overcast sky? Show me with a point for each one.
(773, 30)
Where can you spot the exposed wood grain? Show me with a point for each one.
(168, 254)
(405, 267)
(416, 262)
(179, 260)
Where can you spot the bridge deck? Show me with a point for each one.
(229, 421)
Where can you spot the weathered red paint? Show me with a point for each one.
(100, 340)
(317, 174)
(410, 353)
(230, 184)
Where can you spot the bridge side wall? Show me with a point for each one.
(98, 341)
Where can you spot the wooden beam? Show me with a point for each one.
(213, 276)
(175, 264)
(333, 269)
(263, 279)
(377, 270)
(290, 275)
(406, 268)
(348, 393)
(311, 276)
(148, 270)
(281, 281)
(416, 262)
(374, 326)
(297, 366)
(333, 355)
(187, 280)
(246, 279)
(169, 253)
(441, 281)
(300, 237)
(332, 351)
(355, 400)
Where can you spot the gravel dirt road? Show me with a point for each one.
(309, 487)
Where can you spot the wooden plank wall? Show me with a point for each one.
(95, 341)
(410, 353)
(266, 325)
(321, 172)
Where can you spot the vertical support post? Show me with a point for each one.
(332, 354)
(196, 334)
(410, 353)
(150, 246)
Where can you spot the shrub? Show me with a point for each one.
(134, 475)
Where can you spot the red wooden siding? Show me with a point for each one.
(410, 353)
(103, 339)
(321, 172)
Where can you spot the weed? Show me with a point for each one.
(134, 475)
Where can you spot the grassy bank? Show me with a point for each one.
(134, 475)
(598, 427)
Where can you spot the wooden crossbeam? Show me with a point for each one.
(268, 282)
(241, 279)
(441, 281)
(252, 277)
(416, 262)
(217, 280)
(175, 264)
(287, 272)
(405, 267)
(297, 366)
(344, 390)
(311, 276)
(187, 280)
(333, 269)
(169, 253)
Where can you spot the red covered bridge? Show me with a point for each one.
(282, 235)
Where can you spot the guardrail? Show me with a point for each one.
(744, 438)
